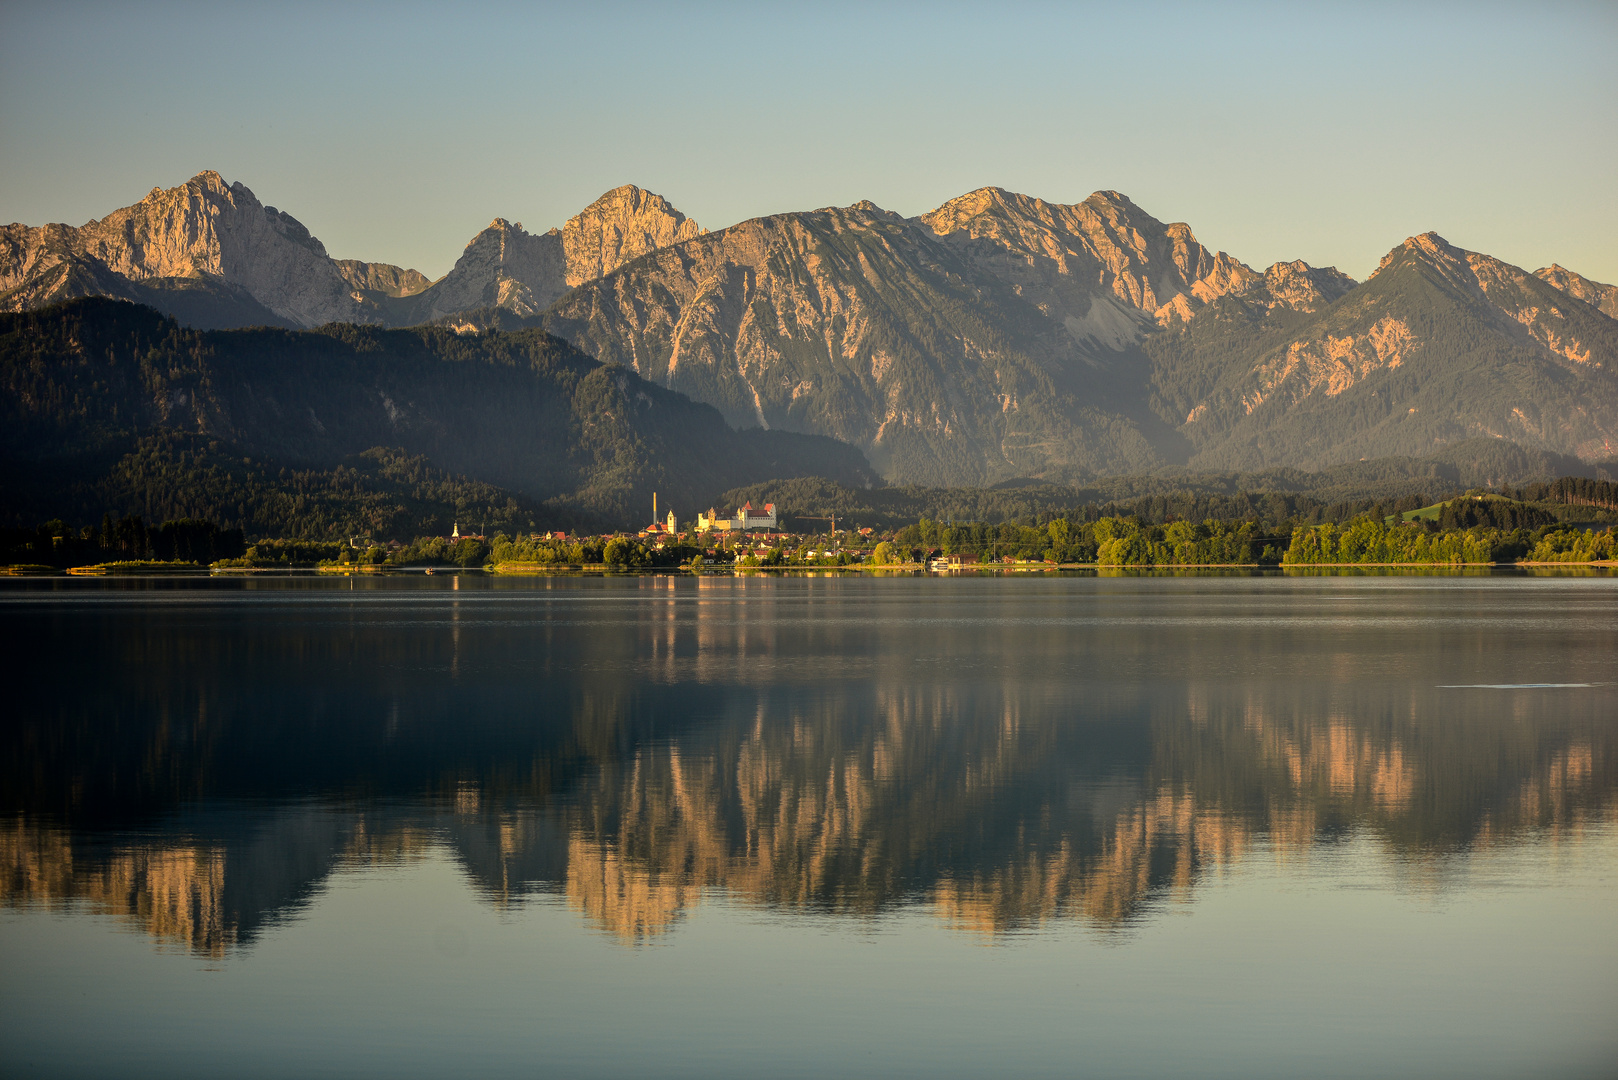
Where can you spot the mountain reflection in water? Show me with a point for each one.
(199, 758)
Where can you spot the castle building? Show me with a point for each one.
(746, 520)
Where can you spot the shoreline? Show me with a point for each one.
(152, 569)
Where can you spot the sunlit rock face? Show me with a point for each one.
(205, 229)
(1104, 247)
(1439, 345)
(858, 323)
(995, 336)
(503, 266)
(211, 254)
(508, 268)
(1302, 287)
(622, 225)
(998, 336)
(1602, 297)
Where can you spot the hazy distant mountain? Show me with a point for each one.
(1439, 345)
(384, 278)
(1604, 297)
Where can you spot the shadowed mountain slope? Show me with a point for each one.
(84, 382)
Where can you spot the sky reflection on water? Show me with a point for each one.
(1212, 826)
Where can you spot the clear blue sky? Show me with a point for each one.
(396, 131)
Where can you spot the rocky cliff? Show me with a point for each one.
(1299, 286)
(622, 225)
(508, 268)
(213, 256)
(1439, 345)
(1104, 249)
(1594, 293)
(858, 323)
(215, 235)
(996, 336)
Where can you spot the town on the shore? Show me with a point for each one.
(1480, 528)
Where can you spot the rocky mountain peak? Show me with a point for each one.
(507, 267)
(623, 224)
(1303, 287)
(1103, 247)
(1603, 297)
(1430, 248)
(204, 230)
(497, 231)
(960, 215)
(1116, 197)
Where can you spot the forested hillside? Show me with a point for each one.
(266, 428)
(1276, 495)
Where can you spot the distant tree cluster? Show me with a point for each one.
(1571, 491)
(1576, 545)
(1368, 540)
(1473, 529)
(123, 539)
(290, 553)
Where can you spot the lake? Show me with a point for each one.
(1112, 826)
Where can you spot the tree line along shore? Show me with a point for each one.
(1478, 528)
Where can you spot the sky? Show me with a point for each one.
(1327, 132)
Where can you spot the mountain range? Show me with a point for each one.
(996, 337)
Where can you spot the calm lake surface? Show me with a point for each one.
(669, 826)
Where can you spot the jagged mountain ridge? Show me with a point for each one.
(1104, 248)
(859, 323)
(213, 255)
(996, 336)
(1438, 346)
(506, 267)
(205, 231)
(1029, 343)
(1602, 297)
